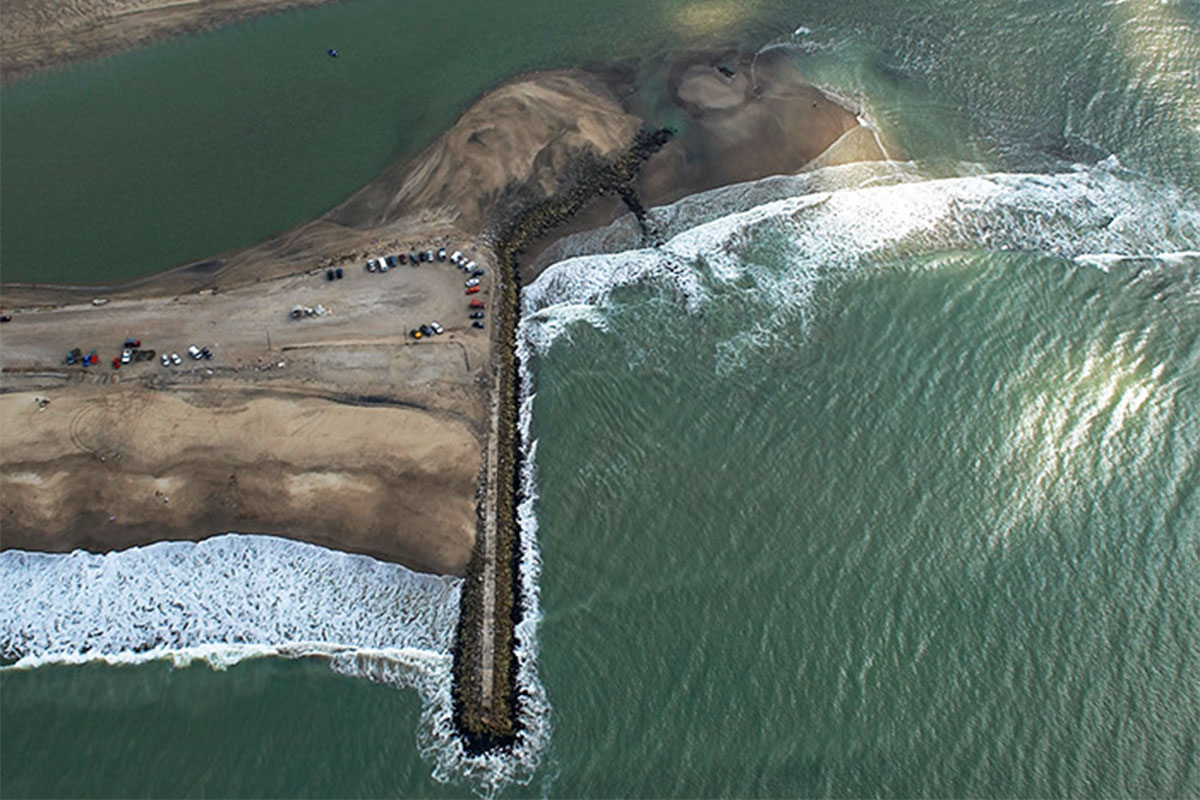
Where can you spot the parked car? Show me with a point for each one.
(126, 356)
(477, 303)
(456, 257)
(175, 359)
(415, 333)
(131, 342)
(206, 352)
(391, 261)
(371, 265)
(438, 329)
(194, 352)
(412, 258)
(477, 324)
(166, 360)
(472, 289)
(403, 259)
(441, 254)
(421, 256)
(426, 330)
(476, 315)
(429, 255)
(472, 282)
(329, 275)
(338, 272)
(477, 273)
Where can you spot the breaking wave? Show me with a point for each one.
(835, 219)
(226, 596)
(234, 597)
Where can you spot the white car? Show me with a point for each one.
(371, 265)
(437, 328)
(175, 359)
(472, 282)
(470, 265)
(456, 257)
(126, 356)
(194, 352)
(166, 360)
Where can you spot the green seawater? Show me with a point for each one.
(925, 547)
(923, 522)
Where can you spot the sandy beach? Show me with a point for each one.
(341, 429)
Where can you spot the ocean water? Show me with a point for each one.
(880, 480)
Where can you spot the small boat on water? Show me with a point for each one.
(332, 53)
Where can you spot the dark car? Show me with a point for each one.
(476, 315)
(391, 261)
(476, 324)
(402, 258)
(338, 272)
(412, 259)
(421, 256)
(426, 330)
(328, 274)
(477, 273)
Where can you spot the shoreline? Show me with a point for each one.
(35, 40)
(343, 430)
(531, 139)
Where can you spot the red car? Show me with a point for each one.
(472, 289)
(477, 303)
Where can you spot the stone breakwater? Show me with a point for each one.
(488, 717)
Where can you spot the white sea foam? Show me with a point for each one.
(234, 597)
(246, 594)
(1092, 215)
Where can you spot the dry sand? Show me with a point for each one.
(338, 429)
(364, 439)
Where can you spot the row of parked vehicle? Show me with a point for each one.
(475, 309)
(132, 352)
(425, 331)
(195, 352)
(384, 263)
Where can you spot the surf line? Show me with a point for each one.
(486, 669)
